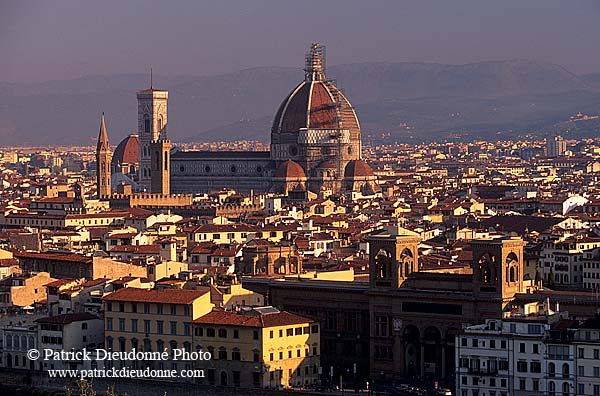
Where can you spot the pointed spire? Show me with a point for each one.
(102, 136)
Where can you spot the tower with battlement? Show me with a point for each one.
(152, 126)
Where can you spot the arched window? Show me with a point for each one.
(551, 387)
(166, 160)
(565, 370)
(160, 125)
(383, 264)
(551, 369)
(512, 274)
(147, 124)
(223, 378)
(407, 258)
(565, 389)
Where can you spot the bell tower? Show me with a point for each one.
(393, 256)
(103, 163)
(498, 268)
(152, 126)
(160, 159)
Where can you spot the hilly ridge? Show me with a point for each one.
(409, 101)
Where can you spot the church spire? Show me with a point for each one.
(102, 136)
(103, 157)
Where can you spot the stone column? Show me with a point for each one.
(398, 351)
(422, 356)
(443, 359)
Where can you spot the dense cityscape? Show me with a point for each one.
(332, 257)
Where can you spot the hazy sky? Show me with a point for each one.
(60, 39)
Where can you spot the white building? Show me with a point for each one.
(529, 353)
(564, 261)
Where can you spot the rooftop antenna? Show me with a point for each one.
(151, 86)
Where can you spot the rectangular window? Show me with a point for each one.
(314, 329)
(236, 333)
(173, 328)
(521, 366)
(121, 324)
(271, 334)
(298, 331)
(134, 325)
(159, 326)
(255, 335)
(210, 332)
(289, 332)
(222, 333)
(187, 329)
(382, 326)
(522, 347)
(147, 326)
(109, 324)
(173, 309)
(492, 344)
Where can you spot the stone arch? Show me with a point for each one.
(407, 260)
(383, 264)
(487, 268)
(512, 267)
(412, 349)
(432, 351)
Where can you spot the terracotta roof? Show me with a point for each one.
(136, 249)
(167, 296)
(358, 168)
(72, 257)
(232, 318)
(290, 170)
(68, 318)
(314, 104)
(126, 152)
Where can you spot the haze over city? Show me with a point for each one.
(276, 198)
(55, 40)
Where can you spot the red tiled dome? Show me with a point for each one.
(358, 168)
(126, 152)
(290, 170)
(313, 105)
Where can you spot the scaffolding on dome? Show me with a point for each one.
(315, 63)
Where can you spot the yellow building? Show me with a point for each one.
(153, 320)
(259, 348)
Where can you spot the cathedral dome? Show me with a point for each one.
(290, 170)
(316, 102)
(126, 152)
(358, 169)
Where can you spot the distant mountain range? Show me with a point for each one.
(394, 101)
